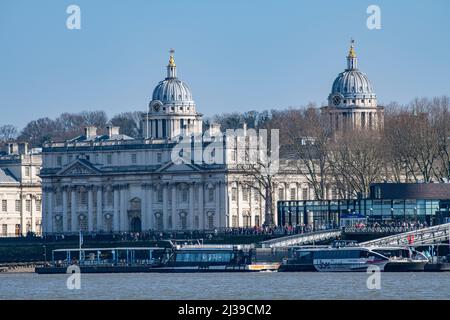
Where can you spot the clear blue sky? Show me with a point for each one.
(235, 55)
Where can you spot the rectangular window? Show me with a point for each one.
(293, 194)
(184, 195)
(27, 171)
(133, 158)
(58, 199)
(305, 194)
(233, 194)
(159, 195)
(159, 157)
(18, 203)
(28, 205)
(4, 205)
(256, 195)
(281, 194)
(244, 194)
(38, 205)
(83, 198)
(38, 171)
(59, 161)
(234, 221)
(4, 230)
(210, 195)
(109, 158)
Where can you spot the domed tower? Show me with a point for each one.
(352, 103)
(172, 109)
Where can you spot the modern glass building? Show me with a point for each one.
(428, 203)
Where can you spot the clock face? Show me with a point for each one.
(156, 107)
(336, 100)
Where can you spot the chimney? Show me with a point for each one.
(214, 129)
(23, 148)
(112, 131)
(13, 148)
(90, 132)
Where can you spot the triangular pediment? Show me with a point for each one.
(178, 167)
(79, 168)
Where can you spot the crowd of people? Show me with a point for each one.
(386, 226)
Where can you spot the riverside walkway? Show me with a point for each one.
(430, 235)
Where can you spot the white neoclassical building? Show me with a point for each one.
(115, 183)
(20, 190)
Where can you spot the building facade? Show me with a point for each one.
(388, 202)
(115, 183)
(20, 191)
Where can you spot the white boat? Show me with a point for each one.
(348, 256)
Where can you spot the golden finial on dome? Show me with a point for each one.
(171, 59)
(351, 52)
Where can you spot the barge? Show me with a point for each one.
(178, 259)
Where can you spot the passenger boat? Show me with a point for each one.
(345, 256)
(403, 259)
(341, 256)
(188, 258)
(105, 260)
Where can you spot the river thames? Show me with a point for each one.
(227, 286)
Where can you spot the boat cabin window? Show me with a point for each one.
(204, 256)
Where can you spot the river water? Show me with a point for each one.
(227, 286)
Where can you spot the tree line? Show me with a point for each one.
(70, 125)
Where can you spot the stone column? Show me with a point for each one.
(226, 205)
(150, 216)
(175, 219)
(144, 225)
(99, 209)
(73, 210)
(64, 210)
(191, 206)
(238, 204)
(23, 209)
(90, 208)
(116, 218)
(165, 207)
(217, 218)
(49, 210)
(201, 210)
(32, 213)
(123, 209)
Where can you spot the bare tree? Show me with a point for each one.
(129, 123)
(356, 161)
(7, 132)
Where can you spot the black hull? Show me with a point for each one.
(297, 268)
(405, 267)
(138, 269)
(437, 267)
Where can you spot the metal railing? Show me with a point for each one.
(429, 235)
(387, 229)
(302, 238)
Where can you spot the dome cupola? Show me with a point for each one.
(172, 111)
(352, 88)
